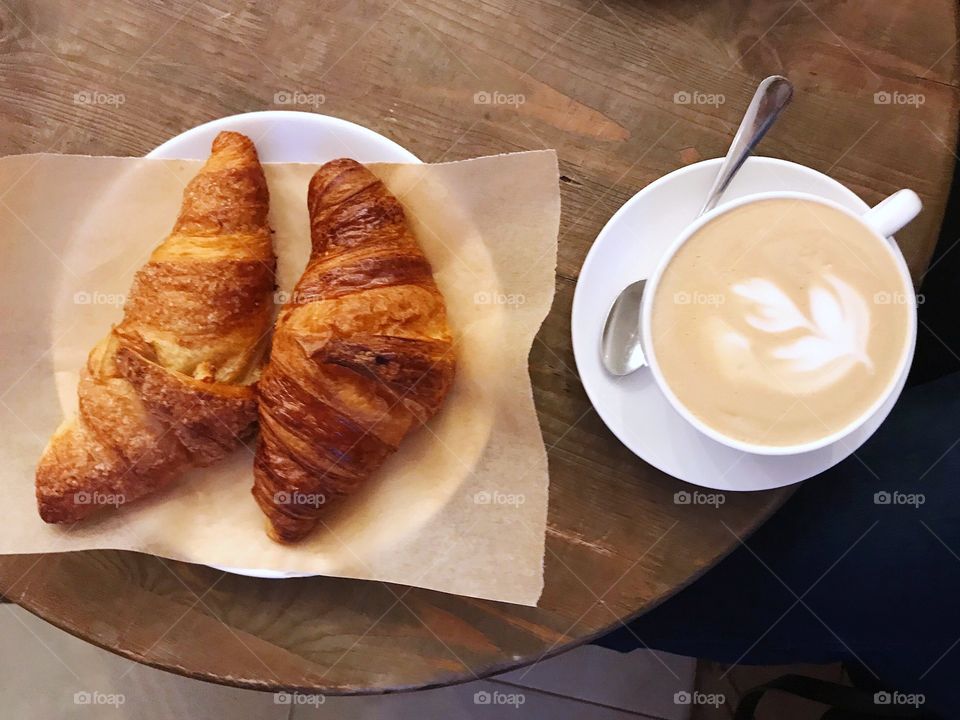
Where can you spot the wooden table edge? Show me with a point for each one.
(471, 674)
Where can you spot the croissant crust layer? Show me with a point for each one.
(360, 357)
(171, 386)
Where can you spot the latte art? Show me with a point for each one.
(798, 347)
(838, 326)
(833, 337)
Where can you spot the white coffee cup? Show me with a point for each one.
(882, 221)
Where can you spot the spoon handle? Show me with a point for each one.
(772, 96)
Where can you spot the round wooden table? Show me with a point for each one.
(604, 82)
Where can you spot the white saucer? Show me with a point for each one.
(287, 136)
(633, 407)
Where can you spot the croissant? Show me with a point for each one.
(361, 354)
(171, 386)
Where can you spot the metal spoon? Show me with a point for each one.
(620, 347)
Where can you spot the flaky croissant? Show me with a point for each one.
(361, 354)
(171, 386)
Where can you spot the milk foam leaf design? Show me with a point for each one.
(808, 353)
(838, 326)
(777, 312)
(856, 308)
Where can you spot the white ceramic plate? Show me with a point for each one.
(633, 407)
(287, 136)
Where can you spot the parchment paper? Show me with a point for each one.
(460, 508)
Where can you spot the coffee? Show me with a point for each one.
(781, 322)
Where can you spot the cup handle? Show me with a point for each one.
(893, 213)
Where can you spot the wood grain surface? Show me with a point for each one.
(876, 108)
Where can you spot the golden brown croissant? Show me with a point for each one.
(361, 355)
(171, 385)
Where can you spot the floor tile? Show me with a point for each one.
(481, 700)
(717, 697)
(641, 681)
